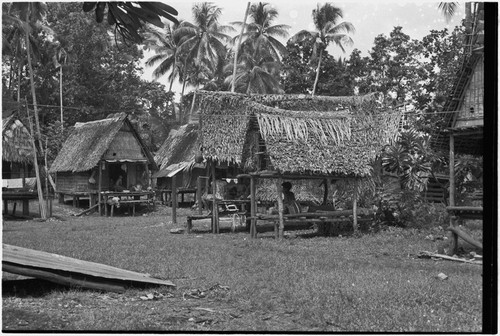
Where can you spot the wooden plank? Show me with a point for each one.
(20, 256)
(61, 279)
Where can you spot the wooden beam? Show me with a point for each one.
(465, 237)
(99, 188)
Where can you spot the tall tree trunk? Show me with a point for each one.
(61, 95)
(32, 84)
(171, 82)
(43, 209)
(317, 71)
(233, 84)
(41, 202)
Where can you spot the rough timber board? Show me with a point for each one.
(39, 260)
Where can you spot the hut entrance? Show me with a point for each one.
(118, 176)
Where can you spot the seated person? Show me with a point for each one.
(290, 205)
(119, 184)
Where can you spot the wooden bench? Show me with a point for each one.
(239, 216)
(327, 221)
(133, 203)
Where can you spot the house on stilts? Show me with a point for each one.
(462, 133)
(99, 153)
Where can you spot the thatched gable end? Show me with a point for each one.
(16, 143)
(180, 146)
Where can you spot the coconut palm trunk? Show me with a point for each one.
(317, 72)
(61, 95)
(233, 83)
(43, 209)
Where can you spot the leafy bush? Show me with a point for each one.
(408, 209)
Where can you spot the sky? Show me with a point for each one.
(370, 19)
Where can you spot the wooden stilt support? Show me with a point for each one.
(253, 209)
(174, 199)
(279, 192)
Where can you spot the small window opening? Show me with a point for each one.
(471, 110)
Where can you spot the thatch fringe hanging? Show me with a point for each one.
(323, 130)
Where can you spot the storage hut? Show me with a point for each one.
(294, 136)
(97, 154)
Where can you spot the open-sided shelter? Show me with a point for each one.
(294, 136)
(97, 153)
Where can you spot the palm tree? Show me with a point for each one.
(203, 44)
(205, 39)
(166, 46)
(29, 14)
(255, 73)
(262, 33)
(327, 30)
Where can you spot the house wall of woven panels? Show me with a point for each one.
(75, 182)
(472, 108)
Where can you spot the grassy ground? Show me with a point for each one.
(229, 282)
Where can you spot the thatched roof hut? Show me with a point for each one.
(178, 151)
(90, 142)
(295, 133)
(16, 143)
(97, 153)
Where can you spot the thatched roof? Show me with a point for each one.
(89, 141)
(16, 143)
(463, 110)
(301, 134)
(178, 150)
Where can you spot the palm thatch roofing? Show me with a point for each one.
(16, 142)
(89, 141)
(302, 134)
(465, 103)
(178, 150)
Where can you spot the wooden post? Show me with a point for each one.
(198, 195)
(453, 219)
(325, 191)
(452, 170)
(253, 206)
(355, 206)
(26, 207)
(215, 219)
(279, 192)
(99, 186)
(174, 199)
